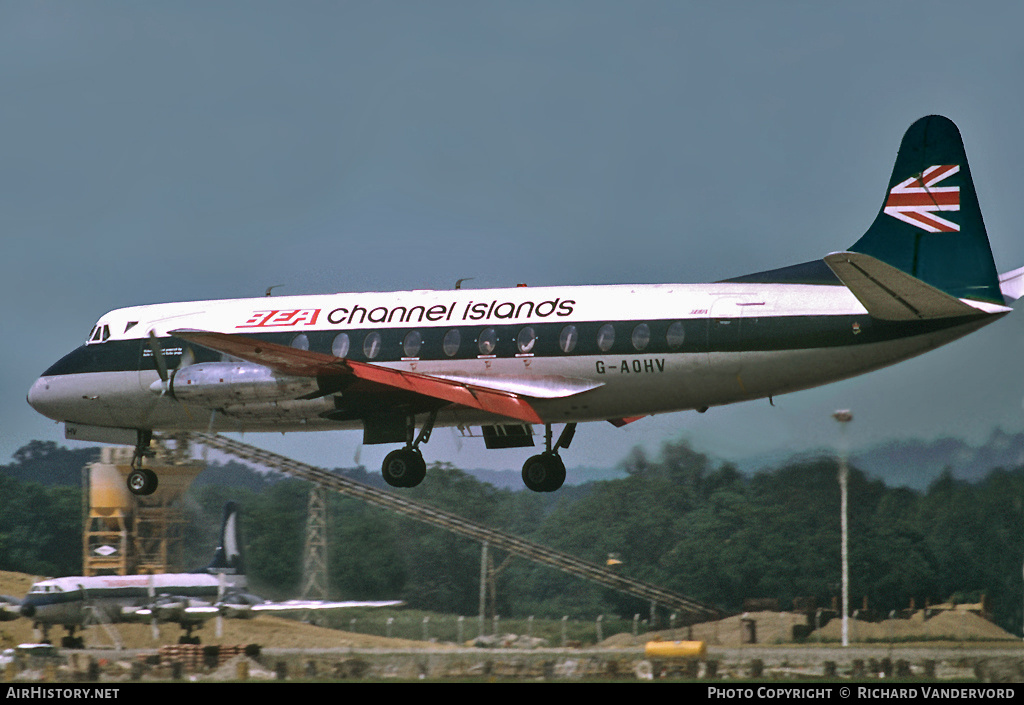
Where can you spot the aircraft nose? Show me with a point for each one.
(45, 397)
(38, 396)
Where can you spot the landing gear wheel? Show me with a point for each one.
(142, 481)
(404, 467)
(544, 472)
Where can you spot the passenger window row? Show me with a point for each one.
(486, 342)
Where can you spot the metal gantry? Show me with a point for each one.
(461, 526)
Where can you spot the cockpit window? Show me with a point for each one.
(99, 334)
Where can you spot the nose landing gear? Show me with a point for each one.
(142, 481)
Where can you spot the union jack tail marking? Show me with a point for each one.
(918, 200)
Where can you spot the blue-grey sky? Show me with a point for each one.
(157, 152)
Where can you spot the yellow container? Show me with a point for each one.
(676, 649)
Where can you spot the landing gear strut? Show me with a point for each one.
(406, 467)
(546, 472)
(142, 481)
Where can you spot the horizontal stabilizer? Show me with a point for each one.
(890, 294)
(1012, 284)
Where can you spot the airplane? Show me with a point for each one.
(505, 360)
(188, 599)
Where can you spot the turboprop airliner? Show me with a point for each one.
(188, 599)
(398, 364)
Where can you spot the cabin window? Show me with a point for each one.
(339, 348)
(488, 341)
(451, 342)
(641, 337)
(412, 343)
(371, 346)
(526, 339)
(675, 336)
(606, 337)
(301, 342)
(568, 338)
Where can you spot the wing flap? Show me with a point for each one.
(890, 294)
(306, 363)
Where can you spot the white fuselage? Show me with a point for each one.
(578, 353)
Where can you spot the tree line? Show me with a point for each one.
(681, 520)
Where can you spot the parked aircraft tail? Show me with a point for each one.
(930, 224)
(228, 558)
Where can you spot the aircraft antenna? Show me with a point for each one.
(271, 288)
(458, 282)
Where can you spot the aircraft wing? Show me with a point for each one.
(301, 605)
(248, 606)
(475, 394)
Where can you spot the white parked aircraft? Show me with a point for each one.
(187, 599)
(503, 359)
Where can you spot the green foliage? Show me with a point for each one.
(40, 528)
(678, 520)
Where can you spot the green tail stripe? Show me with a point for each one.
(930, 224)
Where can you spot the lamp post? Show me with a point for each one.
(844, 416)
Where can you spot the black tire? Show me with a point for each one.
(544, 472)
(404, 467)
(142, 482)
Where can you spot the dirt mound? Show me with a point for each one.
(948, 625)
(777, 628)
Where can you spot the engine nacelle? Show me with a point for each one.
(219, 384)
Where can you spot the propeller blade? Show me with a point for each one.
(220, 598)
(158, 357)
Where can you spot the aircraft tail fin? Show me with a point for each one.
(228, 558)
(930, 224)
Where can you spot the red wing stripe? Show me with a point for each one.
(474, 397)
(305, 363)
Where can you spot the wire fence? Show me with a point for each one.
(528, 631)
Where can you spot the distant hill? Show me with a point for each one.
(916, 463)
(911, 463)
(513, 479)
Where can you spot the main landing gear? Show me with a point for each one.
(406, 467)
(546, 472)
(142, 481)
